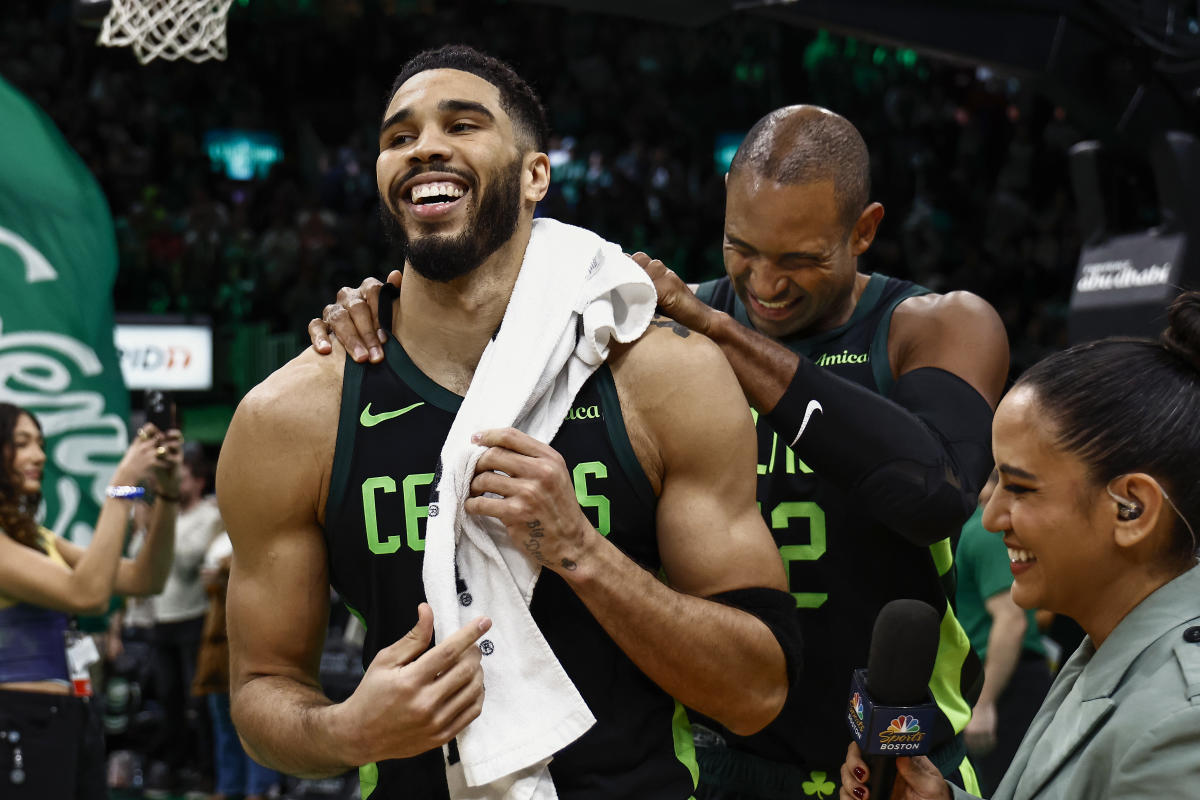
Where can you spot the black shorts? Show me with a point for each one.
(51, 746)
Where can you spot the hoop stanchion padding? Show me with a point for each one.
(168, 29)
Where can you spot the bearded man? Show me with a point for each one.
(660, 584)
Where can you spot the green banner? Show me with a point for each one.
(58, 260)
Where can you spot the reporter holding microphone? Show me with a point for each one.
(1098, 450)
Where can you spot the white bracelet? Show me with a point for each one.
(126, 492)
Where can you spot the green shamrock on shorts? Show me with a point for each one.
(818, 786)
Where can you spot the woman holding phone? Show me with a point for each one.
(51, 742)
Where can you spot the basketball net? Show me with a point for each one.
(169, 29)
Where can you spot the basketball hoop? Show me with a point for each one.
(169, 29)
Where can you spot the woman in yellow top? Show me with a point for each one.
(51, 743)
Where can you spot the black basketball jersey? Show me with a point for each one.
(394, 420)
(843, 565)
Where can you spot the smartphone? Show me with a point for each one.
(160, 409)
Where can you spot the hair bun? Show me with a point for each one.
(1182, 335)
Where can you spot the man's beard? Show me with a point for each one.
(442, 257)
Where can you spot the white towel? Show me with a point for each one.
(575, 294)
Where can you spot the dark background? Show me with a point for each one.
(969, 161)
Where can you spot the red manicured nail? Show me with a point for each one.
(859, 792)
(858, 773)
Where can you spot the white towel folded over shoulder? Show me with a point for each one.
(575, 295)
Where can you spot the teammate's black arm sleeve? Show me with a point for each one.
(916, 460)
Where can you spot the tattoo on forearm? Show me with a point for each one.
(682, 331)
(534, 543)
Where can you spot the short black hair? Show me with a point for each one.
(1126, 405)
(517, 98)
(806, 144)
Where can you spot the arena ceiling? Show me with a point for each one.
(1131, 67)
(678, 12)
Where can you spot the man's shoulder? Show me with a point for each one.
(673, 382)
(959, 332)
(283, 434)
(294, 410)
(672, 371)
(669, 352)
(302, 391)
(946, 308)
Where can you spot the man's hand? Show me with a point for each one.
(536, 502)
(675, 298)
(412, 700)
(980, 733)
(353, 320)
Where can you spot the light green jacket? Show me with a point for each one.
(1122, 722)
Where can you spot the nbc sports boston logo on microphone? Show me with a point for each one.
(903, 730)
(887, 730)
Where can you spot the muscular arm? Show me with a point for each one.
(680, 396)
(271, 483)
(916, 459)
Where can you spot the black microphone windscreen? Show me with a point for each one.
(904, 647)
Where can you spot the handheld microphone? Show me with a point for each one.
(891, 712)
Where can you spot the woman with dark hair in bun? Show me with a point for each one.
(1098, 450)
(51, 742)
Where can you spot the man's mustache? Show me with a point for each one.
(395, 197)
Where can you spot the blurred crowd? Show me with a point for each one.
(163, 681)
(970, 166)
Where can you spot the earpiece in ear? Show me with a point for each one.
(1129, 512)
(1127, 509)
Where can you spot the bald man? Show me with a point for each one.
(873, 400)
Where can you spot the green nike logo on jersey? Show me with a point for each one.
(370, 420)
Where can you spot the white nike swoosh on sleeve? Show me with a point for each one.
(813, 405)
